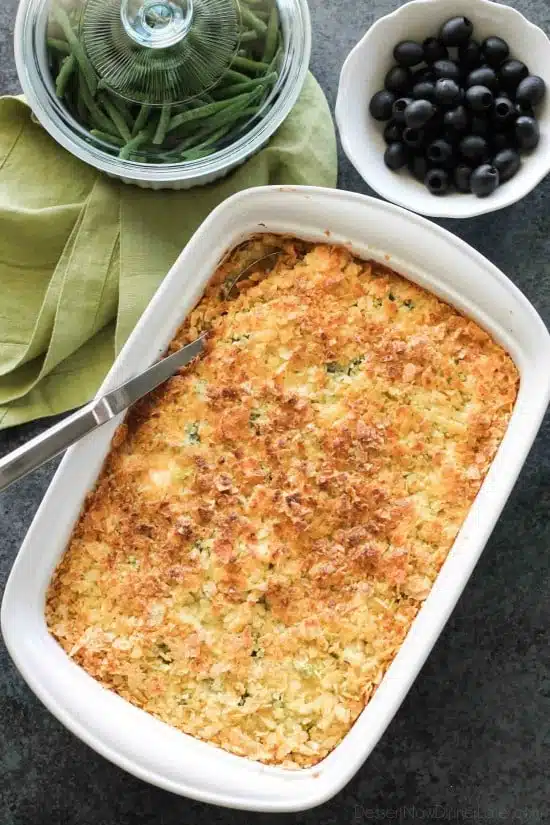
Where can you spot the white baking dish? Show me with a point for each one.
(128, 736)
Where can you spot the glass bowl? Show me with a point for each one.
(39, 89)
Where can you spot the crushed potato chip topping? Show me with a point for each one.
(268, 523)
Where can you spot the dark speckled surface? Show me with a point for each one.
(471, 742)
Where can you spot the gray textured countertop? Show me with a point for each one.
(471, 743)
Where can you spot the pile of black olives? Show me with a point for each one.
(458, 112)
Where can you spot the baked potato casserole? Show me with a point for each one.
(269, 522)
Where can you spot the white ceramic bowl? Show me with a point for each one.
(363, 75)
(128, 736)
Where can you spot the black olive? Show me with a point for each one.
(474, 148)
(527, 132)
(507, 162)
(479, 125)
(398, 108)
(456, 31)
(469, 55)
(531, 91)
(418, 113)
(452, 137)
(381, 104)
(504, 110)
(503, 140)
(462, 177)
(511, 73)
(484, 76)
(434, 126)
(425, 90)
(447, 68)
(484, 180)
(437, 181)
(440, 152)
(414, 138)
(434, 50)
(524, 109)
(398, 80)
(479, 98)
(408, 53)
(457, 119)
(395, 156)
(447, 91)
(393, 132)
(418, 167)
(425, 74)
(495, 51)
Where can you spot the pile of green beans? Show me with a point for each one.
(169, 133)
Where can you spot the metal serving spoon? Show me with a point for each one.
(231, 286)
(58, 438)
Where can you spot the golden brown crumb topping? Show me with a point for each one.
(268, 524)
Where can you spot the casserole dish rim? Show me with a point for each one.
(112, 726)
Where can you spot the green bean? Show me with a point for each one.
(272, 36)
(123, 109)
(225, 118)
(239, 88)
(196, 154)
(70, 94)
(194, 103)
(249, 36)
(115, 116)
(68, 67)
(191, 141)
(141, 119)
(76, 47)
(278, 53)
(164, 120)
(107, 138)
(246, 64)
(259, 7)
(240, 117)
(133, 144)
(204, 111)
(252, 20)
(98, 119)
(186, 148)
(60, 46)
(80, 104)
(74, 16)
(224, 121)
(207, 144)
(235, 77)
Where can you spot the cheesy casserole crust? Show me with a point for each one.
(268, 523)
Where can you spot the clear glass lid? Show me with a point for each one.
(151, 51)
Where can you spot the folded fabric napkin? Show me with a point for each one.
(81, 255)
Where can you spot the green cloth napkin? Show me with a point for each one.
(81, 255)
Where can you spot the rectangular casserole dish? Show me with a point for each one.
(135, 740)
